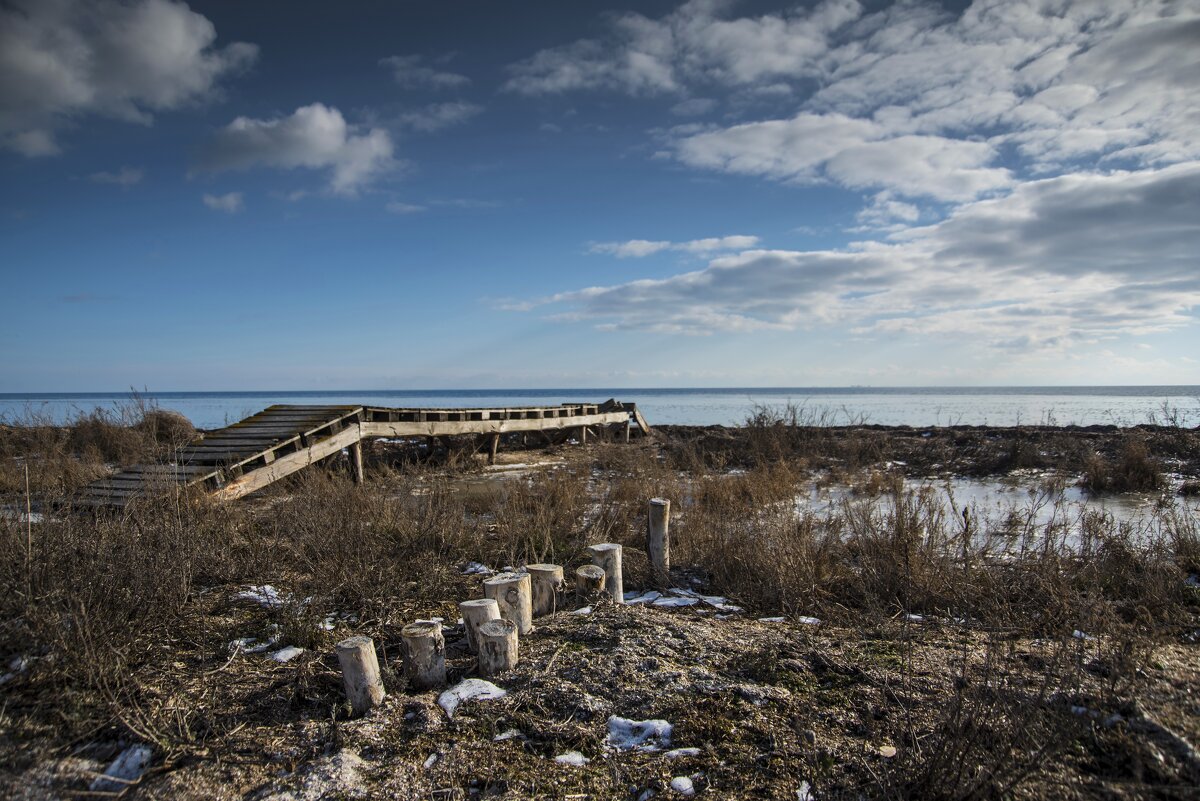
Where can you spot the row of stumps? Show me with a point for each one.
(495, 623)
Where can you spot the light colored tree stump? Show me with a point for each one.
(475, 613)
(424, 654)
(607, 555)
(497, 647)
(360, 673)
(547, 582)
(511, 591)
(659, 537)
(589, 585)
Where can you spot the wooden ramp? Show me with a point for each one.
(280, 440)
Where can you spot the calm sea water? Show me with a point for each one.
(886, 406)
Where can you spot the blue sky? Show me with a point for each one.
(430, 195)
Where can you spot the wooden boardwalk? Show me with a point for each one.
(281, 440)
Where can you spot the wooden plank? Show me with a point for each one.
(286, 465)
(433, 428)
(167, 469)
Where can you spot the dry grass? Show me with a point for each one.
(125, 618)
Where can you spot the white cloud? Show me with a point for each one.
(436, 116)
(63, 59)
(230, 203)
(812, 148)
(692, 44)
(411, 74)
(126, 177)
(396, 207)
(694, 107)
(1062, 260)
(638, 248)
(314, 137)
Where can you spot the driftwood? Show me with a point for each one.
(658, 526)
(498, 647)
(607, 556)
(475, 613)
(547, 586)
(589, 585)
(511, 591)
(424, 654)
(360, 673)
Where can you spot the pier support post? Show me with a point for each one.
(589, 585)
(356, 461)
(607, 555)
(360, 673)
(475, 613)
(511, 592)
(659, 538)
(424, 654)
(498, 647)
(583, 435)
(493, 446)
(547, 586)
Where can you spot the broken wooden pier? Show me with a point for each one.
(280, 440)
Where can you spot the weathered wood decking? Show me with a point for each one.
(280, 440)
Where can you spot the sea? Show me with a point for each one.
(913, 406)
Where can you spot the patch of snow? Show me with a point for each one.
(264, 595)
(636, 598)
(583, 610)
(429, 762)
(287, 654)
(507, 735)
(468, 690)
(914, 618)
(675, 602)
(804, 792)
(646, 795)
(572, 758)
(125, 770)
(1192, 581)
(16, 666)
(771, 619)
(684, 592)
(637, 735)
(682, 752)
(476, 569)
(1081, 635)
(683, 785)
(808, 621)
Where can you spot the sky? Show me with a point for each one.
(314, 195)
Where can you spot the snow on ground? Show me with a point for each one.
(637, 735)
(468, 690)
(572, 758)
(287, 654)
(683, 785)
(264, 595)
(336, 776)
(126, 769)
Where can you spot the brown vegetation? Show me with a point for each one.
(972, 655)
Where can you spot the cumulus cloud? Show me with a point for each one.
(125, 177)
(638, 248)
(691, 44)
(436, 116)
(61, 60)
(230, 203)
(1058, 260)
(410, 73)
(313, 137)
(812, 148)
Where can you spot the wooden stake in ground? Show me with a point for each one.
(360, 673)
(497, 647)
(589, 585)
(607, 555)
(511, 591)
(424, 654)
(659, 539)
(475, 613)
(547, 581)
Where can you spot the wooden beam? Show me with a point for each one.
(254, 480)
